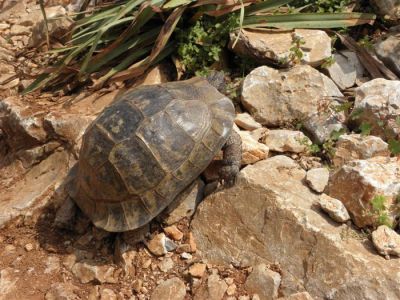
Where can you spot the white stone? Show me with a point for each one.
(318, 179)
(282, 140)
(334, 208)
(386, 241)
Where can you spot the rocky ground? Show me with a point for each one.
(314, 214)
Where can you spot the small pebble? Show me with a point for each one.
(173, 232)
(29, 247)
(186, 255)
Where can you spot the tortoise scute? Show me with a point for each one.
(146, 148)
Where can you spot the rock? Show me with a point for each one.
(388, 7)
(166, 264)
(317, 179)
(108, 294)
(173, 232)
(245, 121)
(282, 140)
(20, 30)
(355, 146)
(345, 69)
(386, 241)
(361, 182)
(264, 282)
(377, 103)
(231, 290)
(252, 150)
(156, 75)
(52, 264)
(62, 291)
(87, 271)
(298, 296)
(192, 243)
(184, 206)
(29, 247)
(274, 46)
(334, 208)
(125, 256)
(58, 24)
(197, 270)
(160, 245)
(386, 49)
(8, 283)
(269, 217)
(214, 290)
(301, 95)
(170, 289)
(186, 255)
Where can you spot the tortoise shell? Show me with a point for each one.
(147, 147)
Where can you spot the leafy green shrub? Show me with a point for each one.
(379, 208)
(201, 45)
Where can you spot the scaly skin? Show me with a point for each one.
(232, 155)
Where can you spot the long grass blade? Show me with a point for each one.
(265, 5)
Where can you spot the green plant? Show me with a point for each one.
(365, 128)
(366, 42)
(329, 61)
(379, 208)
(296, 54)
(201, 45)
(394, 146)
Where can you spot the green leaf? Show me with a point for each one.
(176, 3)
(265, 5)
(320, 20)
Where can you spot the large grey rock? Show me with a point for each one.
(377, 103)
(274, 46)
(359, 183)
(387, 48)
(269, 217)
(301, 95)
(345, 70)
(355, 146)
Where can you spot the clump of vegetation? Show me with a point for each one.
(379, 208)
(201, 45)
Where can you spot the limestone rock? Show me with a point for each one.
(355, 146)
(263, 282)
(386, 49)
(62, 291)
(173, 232)
(317, 179)
(184, 206)
(214, 290)
(155, 75)
(252, 150)
(197, 270)
(334, 208)
(58, 24)
(377, 103)
(166, 264)
(20, 30)
(269, 217)
(8, 281)
(345, 70)
(108, 294)
(245, 121)
(359, 182)
(170, 289)
(87, 271)
(160, 245)
(302, 94)
(274, 46)
(388, 7)
(282, 140)
(386, 241)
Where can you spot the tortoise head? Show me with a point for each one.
(217, 80)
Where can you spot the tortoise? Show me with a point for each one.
(148, 146)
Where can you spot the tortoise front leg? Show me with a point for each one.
(232, 156)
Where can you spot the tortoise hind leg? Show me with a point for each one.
(232, 156)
